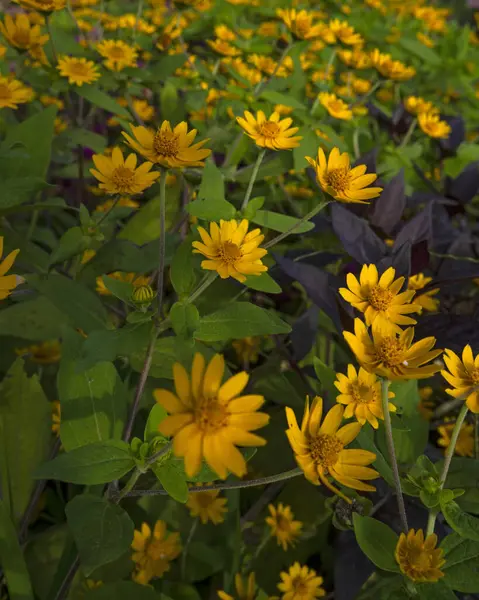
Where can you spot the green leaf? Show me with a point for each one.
(182, 273)
(211, 204)
(102, 100)
(122, 290)
(263, 283)
(85, 138)
(12, 561)
(83, 308)
(184, 319)
(166, 66)
(466, 525)
(434, 591)
(72, 242)
(365, 440)
(123, 590)
(280, 163)
(144, 225)
(36, 320)
(377, 541)
(307, 147)
(25, 434)
(239, 320)
(19, 189)
(167, 351)
(156, 416)
(94, 464)
(421, 51)
(326, 376)
(169, 102)
(278, 98)
(461, 570)
(254, 205)
(102, 531)
(279, 222)
(172, 478)
(463, 474)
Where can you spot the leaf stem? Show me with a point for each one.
(52, 43)
(207, 281)
(406, 139)
(392, 452)
(265, 82)
(130, 484)
(254, 174)
(184, 554)
(307, 217)
(162, 247)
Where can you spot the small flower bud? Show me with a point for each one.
(143, 295)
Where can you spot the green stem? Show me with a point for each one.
(130, 484)
(207, 281)
(108, 212)
(184, 554)
(52, 43)
(307, 217)
(162, 246)
(139, 12)
(356, 148)
(254, 174)
(408, 135)
(154, 457)
(265, 82)
(392, 453)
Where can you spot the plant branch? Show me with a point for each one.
(162, 247)
(312, 213)
(254, 174)
(184, 554)
(265, 82)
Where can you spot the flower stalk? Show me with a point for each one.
(254, 174)
(312, 213)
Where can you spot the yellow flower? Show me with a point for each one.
(268, 29)
(345, 32)
(425, 39)
(361, 393)
(136, 280)
(361, 86)
(282, 109)
(43, 5)
(300, 23)
(268, 66)
(7, 282)
(416, 105)
(207, 506)
(168, 147)
(465, 441)
(56, 417)
(337, 179)
(251, 75)
(118, 54)
(463, 376)
(319, 448)
(44, 353)
(283, 526)
(271, 133)
(78, 70)
(143, 109)
(244, 591)
(418, 558)
(124, 201)
(153, 551)
(336, 107)
(425, 300)
(432, 125)
(119, 176)
(379, 298)
(87, 256)
(247, 349)
(391, 355)
(224, 33)
(301, 583)
(389, 68)
(20, 34)
(13, 93)
(231, 250)
(52, 101)
(209, 419)
(223, 47)
(356, 58)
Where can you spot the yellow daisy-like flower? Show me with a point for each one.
(300, 23)
(417, 105)
(231, 250)
(153, 551)
(283, 526)
(223, 47)
(78, 70)
(119, 176)
(463, 376)
(13, 93)
(336, 107)
(320, 448)
(301, 583)
(389, 68)
(424, 300)
(224, 33)
(20, 33)
(56, 417)
(361, 393)
(209, 419)
(168, 147)
(7, 282)
(432, 125)
(418, 558)
(145, 111)
(136, 280)
(391, 355)
(465, 441)
(245, 590)
(379, 298)
(207, 506)
(356, 58)
(339, 180)
(117, 54)
(345, 33)
(44, 353)
(273, 133)
(247, 349)
(43, 5)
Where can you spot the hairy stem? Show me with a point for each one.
(162, 247)
(254, 174)
(307, 217)
(184, 554)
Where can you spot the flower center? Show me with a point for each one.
(22, 37)
(325, 449)
(390, 351)
(379, 298)
(300, 587)
(419, 559)
(475, 376)
(283, 524)
(210, 415)
(5, 93)
(122, 177)
(116, 53)
(269, 129)
(78, 68)
(338, 179)
(166, 143)
(361, 393)
(156, 551)
(302, 27)
(229, 252)
(205, 499)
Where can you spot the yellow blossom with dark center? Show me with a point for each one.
(465, 441)
(300, 23)
(282, 525)
(153, 551)
(78, 70)
(463, 376)
(389, 68)
(207, 506)
(336, 107)
(433, 126)
(117, 54)
(355, 58)
(273, 133)
(418, 558)
(417, 105)
(223, 47)
(44, 353)
(301, 583)
(13, 93)
(345, 33)
(425, 300)
(21, 34)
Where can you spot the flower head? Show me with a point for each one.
(424, 300)
(231, 250)
(300, 23)
(339, 180)
(244, 590)
(13, 93)
(393, 355)
(56, 417)
(432, 125)
(389, 68)
(44, 353)
(247, 349)
(43, 5)
(209, 419)
(463, 376)
(418, 558)
(273, 133)
(356, 58)
(379, 298)
(417, 105)
(207, 506)
(360, 391)
(20, 33)
(465, 441)
(78, 70)
(120, 176)
(168, 147)
(301, 583)
(283, 526)
(7, 282)
(320, 448)
(153, 551)
(124, 202)
(136, 280)
(223, 47)
(117, 54)
(345, 33)
(336, 107)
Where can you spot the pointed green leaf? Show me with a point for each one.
(377, 541)
(279, 222)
